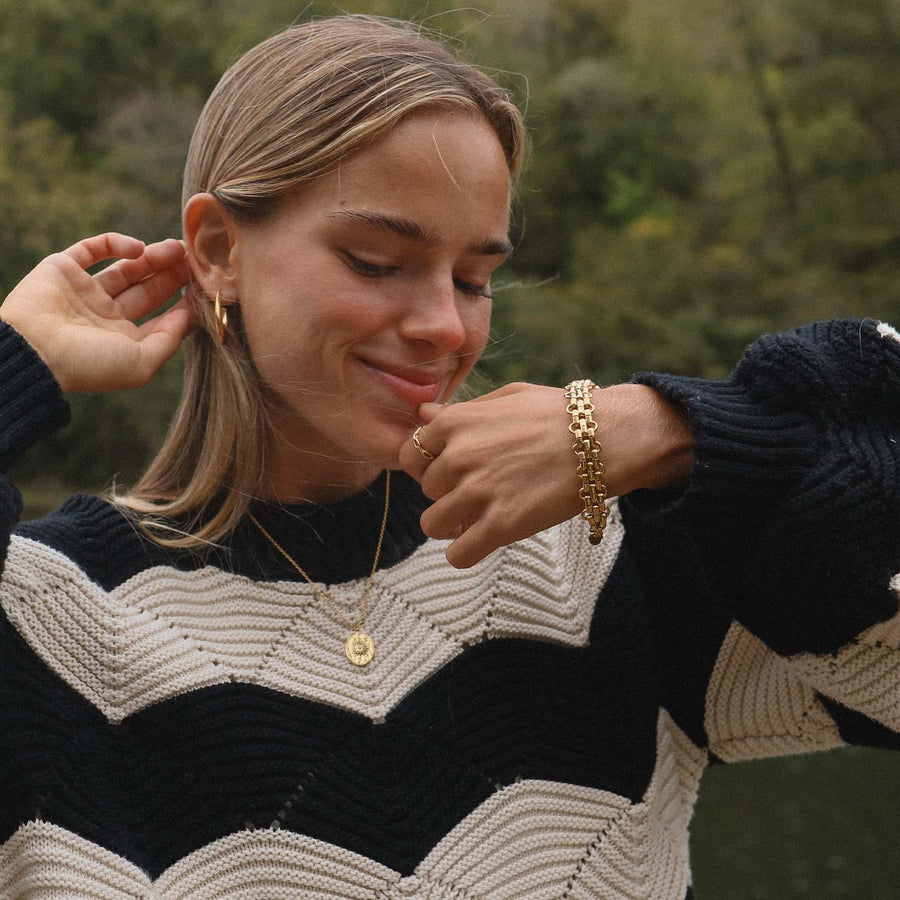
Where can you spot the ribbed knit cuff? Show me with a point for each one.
(32, 404)
(793, 509)
(741, 446)
(764, 427)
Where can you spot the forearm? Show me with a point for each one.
(31, 407)
(31, 401)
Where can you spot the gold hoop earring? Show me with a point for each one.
(221, 319)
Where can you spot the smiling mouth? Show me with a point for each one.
(414, 386)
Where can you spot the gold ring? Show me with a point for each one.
(416, 443)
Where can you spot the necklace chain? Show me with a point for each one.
(354, 651)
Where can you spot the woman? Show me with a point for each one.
(257, 675)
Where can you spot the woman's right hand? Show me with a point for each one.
(83, 325)
(502, 466)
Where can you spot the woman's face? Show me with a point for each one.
(368, 293)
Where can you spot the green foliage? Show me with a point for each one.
(42, 191)
(699, 172)
(71, 59)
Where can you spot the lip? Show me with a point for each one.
(414, 386)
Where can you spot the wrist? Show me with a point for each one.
(591, 470)
(648, 440)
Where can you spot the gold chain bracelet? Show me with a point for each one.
(587, 450)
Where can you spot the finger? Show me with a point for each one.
(472, 546)
(420, 443)
(450, 515)
(504, 391)
(125, 273)
(417, 453)
(151, 293)
(92, 250)
(127, 363)
(178, 322)
(162, 341)
(427, 411)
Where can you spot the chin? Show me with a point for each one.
(388, 436)
(385, 453)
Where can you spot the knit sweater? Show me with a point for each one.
(176, 725)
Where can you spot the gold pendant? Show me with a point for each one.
(360, 648)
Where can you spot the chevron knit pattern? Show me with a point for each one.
(536, 727)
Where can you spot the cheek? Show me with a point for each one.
(478, 327)
(478, 324)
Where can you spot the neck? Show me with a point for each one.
(310, 477)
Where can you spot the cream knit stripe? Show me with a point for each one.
(762, 704)
(456, 602)
(549, 587)
(680, 764)
(119, 658)
(643, 855)
(309, 662)
(887, 331)
(46, 862)
(531, 589)
(864, 675)
(279, 635)
(531, 840)
(233, 620)
(273, 865)
(165, 631)
(523, 842)
(757, 706)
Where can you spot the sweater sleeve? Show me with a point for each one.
(790, 531)
(31, 406)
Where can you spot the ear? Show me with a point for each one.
(210, 234)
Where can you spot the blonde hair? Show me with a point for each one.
(285, 113)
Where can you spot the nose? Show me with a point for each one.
(434, 317)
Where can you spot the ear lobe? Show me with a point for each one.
(210, 234)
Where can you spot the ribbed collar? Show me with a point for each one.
(333, 542)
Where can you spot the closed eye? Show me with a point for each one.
(366, 269)
(475, 290)
(374, 270)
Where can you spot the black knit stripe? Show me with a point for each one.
(799, 602)
(855, 728)
(178, 775)
(838, 370)
(763, 426)
(688, 626)
(739, 441)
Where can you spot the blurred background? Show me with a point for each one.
(701, 171)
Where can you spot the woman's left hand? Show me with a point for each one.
(504, 468)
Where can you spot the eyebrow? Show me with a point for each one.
(413, 231)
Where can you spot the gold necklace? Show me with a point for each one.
(359, 646)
